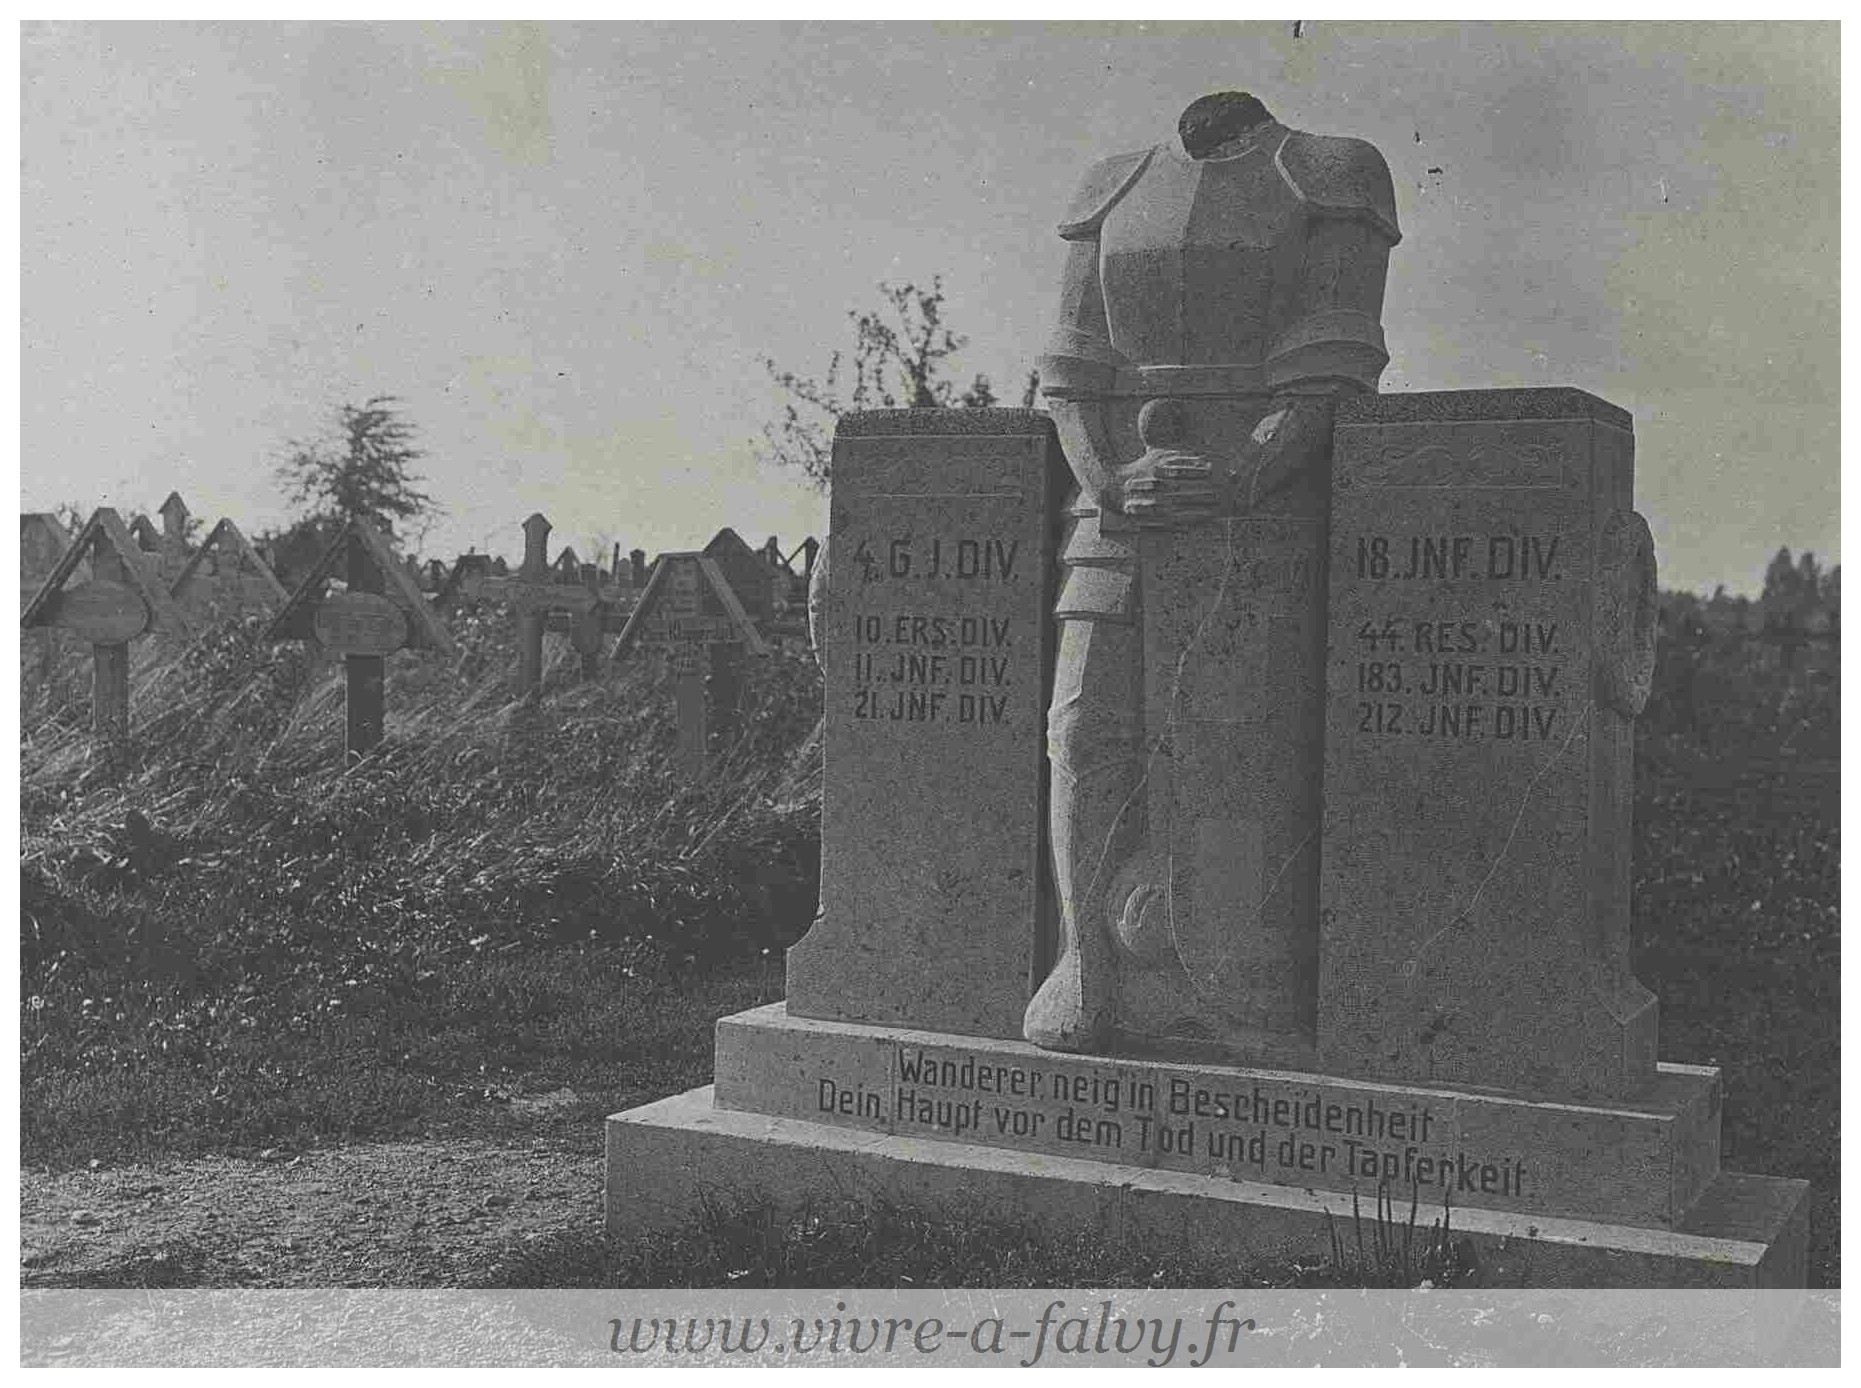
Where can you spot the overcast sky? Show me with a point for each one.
(568, 248)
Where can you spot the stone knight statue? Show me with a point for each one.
(1220, 294)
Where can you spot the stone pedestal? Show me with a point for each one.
(1219, 1158)
(1491, 627)
(1234, 639)
(936, 652)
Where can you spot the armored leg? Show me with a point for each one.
(1094, 735)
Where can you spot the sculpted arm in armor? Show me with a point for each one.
(1080, 363)
(1334, 345)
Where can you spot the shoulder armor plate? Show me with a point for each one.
(1105, 182)
(1342, 175)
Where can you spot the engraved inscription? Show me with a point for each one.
(360, 624)
(101, 612)
(1519, 558)
(911, 661)
(1498, 679)
(1277, 1130)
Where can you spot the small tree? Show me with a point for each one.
(364, 469)
(900, 357)
(1790, 591)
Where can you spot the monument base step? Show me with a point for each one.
(1643, 1161)
(670, 1160)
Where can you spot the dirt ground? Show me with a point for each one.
(431, 1213)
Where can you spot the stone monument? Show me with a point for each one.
(1227, 785)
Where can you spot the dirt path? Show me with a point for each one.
(431, 1213)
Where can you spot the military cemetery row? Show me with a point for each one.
(701, 611)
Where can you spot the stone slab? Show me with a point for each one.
(1645, 1163)
(936, 652)
(1234, 641)
(1474, 886)
(670, 1160)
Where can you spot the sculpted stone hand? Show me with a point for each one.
(1289, 444)
(1169, 486)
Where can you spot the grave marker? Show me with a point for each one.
(148, 539)
(748, 574)
(464, 583)
(788, 586)
(537, 592)
(380, 612)
(124, 598)
(174, 548)
(690, 613)
(227, 576)
(43, 541)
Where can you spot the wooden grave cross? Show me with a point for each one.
(748, 574)
(227, 576)
(791, 600)
(537, 590)
(124, 599)
(462, 584)
(43, 541)
(689, 612)
(142, 530)
(379, 613)
(173, 540)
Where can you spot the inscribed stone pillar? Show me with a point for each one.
(1491, 639)
(1233, 649)
(935, 646)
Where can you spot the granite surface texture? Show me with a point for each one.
(1645, 1162)
(933, 635)
(1474, 888)
(668, 1160)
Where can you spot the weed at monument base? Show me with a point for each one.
(1392, 1256)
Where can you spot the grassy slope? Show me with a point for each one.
(508, 897)
(514, 899)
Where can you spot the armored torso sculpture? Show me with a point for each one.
(1220, 294)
